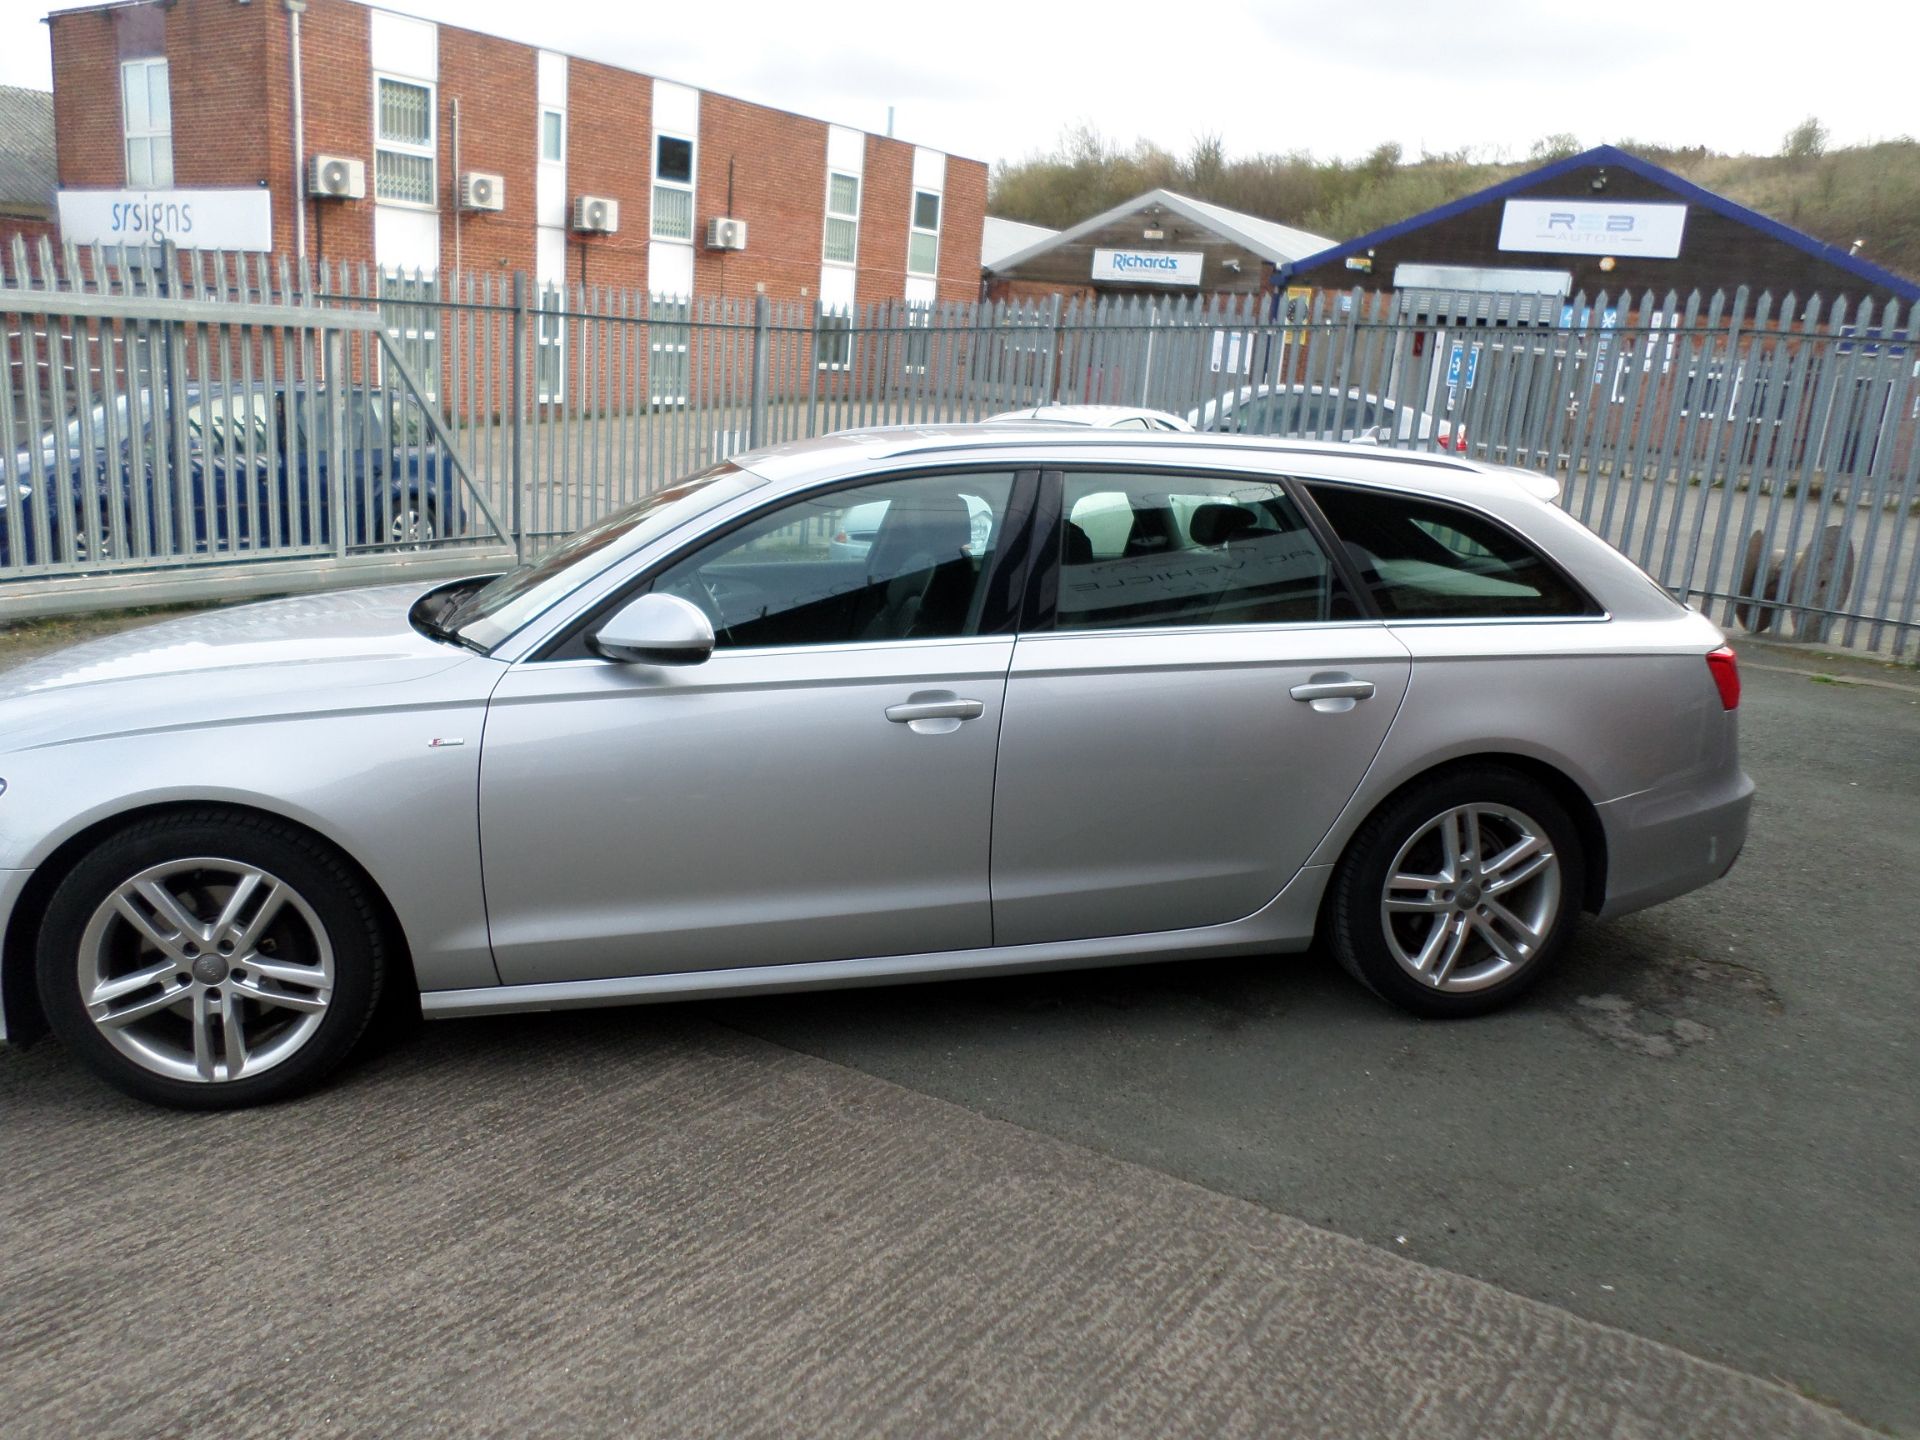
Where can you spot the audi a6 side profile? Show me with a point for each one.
(1184, 695)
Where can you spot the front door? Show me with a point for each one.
(1198, 706)
(820, 789)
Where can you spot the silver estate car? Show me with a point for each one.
(1196, 695)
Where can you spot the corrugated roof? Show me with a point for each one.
(1278, 244)
(1001, 238)
(29, 178)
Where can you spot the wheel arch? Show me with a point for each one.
(1573, 799)
(19, 992)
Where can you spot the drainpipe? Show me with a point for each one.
(294, 10)
(456, 185)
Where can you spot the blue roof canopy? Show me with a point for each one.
(1613, 156)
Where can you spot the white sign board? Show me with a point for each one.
(1148, 267)
(1593, 227)
(198, 219)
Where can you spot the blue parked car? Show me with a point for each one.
(255, 474)
(401, 488)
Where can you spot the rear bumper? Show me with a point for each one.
(19, 1004)
(1665, 842)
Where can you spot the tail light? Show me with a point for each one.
(1726, 676)
(840, 537)
(1460, 439)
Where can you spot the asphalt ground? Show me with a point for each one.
(1066, 1204)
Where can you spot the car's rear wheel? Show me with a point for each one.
(1459, 893)
(415, 524)
(209, 960)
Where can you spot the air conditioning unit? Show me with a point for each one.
(596, 214)
(724, 233)
(480, 191)
(336, 177)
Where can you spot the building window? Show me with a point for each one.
(919, 338)
(549, 355)
(843, 218)
(553, 136)
(672, 188)
(923, 244)
(146, 110)
(833, 342)
(403, 138)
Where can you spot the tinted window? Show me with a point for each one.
(1421, 559)
(898, 560)
(1154, 550)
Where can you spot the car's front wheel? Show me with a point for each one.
(211, 960)
(1459, 893)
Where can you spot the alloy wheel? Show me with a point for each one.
(206, 970)
(1471, 897)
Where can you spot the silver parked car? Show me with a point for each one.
(1195, 695)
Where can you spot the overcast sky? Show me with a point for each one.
(1002, 82)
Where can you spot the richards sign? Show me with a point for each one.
(192, 219)
(1588, 227)
(1147, 267)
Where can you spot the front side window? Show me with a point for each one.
(895, 560)
(403, 157)
(672, 188)
(842, 243)
(146, 113)
(1147, 551)
(1425, 560)
(923, 242)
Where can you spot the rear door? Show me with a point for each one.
(1193, 699)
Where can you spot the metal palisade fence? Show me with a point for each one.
(1755, 453)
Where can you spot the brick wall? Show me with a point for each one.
(779, 175)
(232, 107)
(609, 132)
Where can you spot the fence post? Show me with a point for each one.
(757, 404)
(517, 399)
(1050, 386)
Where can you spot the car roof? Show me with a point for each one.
(1086, 414)
(848, 453)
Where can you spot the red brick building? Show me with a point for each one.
(448, 149)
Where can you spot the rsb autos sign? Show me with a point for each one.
(1587, 227)
(1148, 267)
(195, 219)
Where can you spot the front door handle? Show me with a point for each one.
(949, 707)
(1333, 687)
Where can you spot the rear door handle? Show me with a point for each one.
(1333, 687)
(952, 708)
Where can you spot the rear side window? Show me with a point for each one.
(1427, 560)
(1145, 551)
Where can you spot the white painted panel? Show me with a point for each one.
(921, 290)
(929, 170)
(669, 268)
(210, 219)
(550, 194)
(676, 108)
(406, 239)
(549, 256)
(1593, 227)
(1148, 267)
(836, 286)
(553, 80)
(846, 150)
(403, 45)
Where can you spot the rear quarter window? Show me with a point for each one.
(1423, 559)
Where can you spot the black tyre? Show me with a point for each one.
(1458, 893)
(208, 960)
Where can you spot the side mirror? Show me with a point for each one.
(656, 630)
